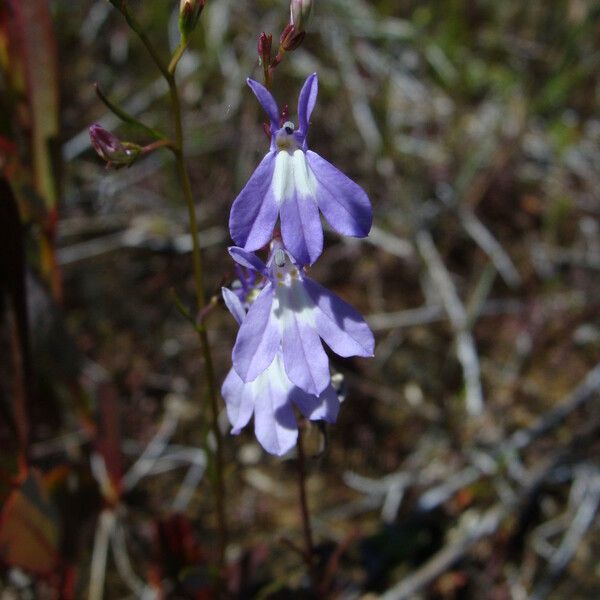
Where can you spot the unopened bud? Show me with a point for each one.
(290, 38)
(300, 13)
(189, 13)
(111, 149)
(264, 48)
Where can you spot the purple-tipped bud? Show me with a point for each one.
(265, 43)
(290, 38)
(300, 11)
(189, 13)
(110, 148)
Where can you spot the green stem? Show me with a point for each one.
(159, 144)
(200, 298)
(177, 56)
(135, 26)
(168, 73)
(126, 117)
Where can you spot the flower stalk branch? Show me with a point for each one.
(209, 371)
(177, 147)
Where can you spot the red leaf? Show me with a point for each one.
(16, 372)
(29, 531)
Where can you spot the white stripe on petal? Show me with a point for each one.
(274, 376)
(292, 175)
(304, 180)
(283, 177)
(294, 303)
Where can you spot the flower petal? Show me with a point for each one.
(248, 260)
(322, 408)
(306, 363)
(234, 305)
(294, 190)
(258, 338)
(306, 102)
(274, 421)
(254, 211)
(341, 327)
(344, 204)
(266, 100)
(239, 401)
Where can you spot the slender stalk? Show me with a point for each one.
(201, 327)
(309, 552)
(177, 148)
(177, 56)
(158, 144)
(121, 6)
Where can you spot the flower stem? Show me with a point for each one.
(177, 56)
(201, 327)
(309, 552)
(168, 72)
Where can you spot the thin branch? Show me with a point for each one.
(491, 246)
(446, 557)
(121, 6)
(119, 548)
(389, 242)
(104, 528)
(126, 117)
(582, 521)
(465, 343)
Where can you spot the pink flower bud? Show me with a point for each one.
(110, 148)
(290, 38)
(264, 48)
(189, 13)
(300, 13)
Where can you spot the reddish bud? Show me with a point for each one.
(290, 38)
(265, 43)
(111, 149)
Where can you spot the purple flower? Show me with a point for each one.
(270, 397)
(294, 183)
(293, 313)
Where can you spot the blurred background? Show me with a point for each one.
(464, 463)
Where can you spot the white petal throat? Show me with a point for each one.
(293, 176)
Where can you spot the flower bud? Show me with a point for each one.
(290, 38)
(110, 148)
(300, 13)
(264, 48)
(189, 13)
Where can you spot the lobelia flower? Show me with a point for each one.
(294, 183)
(270, 398)
(293, 313)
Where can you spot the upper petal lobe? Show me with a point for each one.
(266, 100)
(306, 102)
